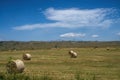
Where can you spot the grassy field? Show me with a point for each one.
(56, 64)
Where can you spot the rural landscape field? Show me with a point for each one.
(92, 63)
(59, 39)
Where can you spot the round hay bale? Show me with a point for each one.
(73, 54)
(107, 49)
(15, 66)
(26, 56)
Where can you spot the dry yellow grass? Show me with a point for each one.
(56, 63)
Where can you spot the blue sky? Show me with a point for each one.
(49, 20)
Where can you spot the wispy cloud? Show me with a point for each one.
(71, 35)
(118, 33)
(95, 36)
(73, 18)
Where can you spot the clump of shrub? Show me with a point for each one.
(87, 76)
(7, 76)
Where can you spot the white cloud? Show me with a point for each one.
(69, 35)
(73, 18)
(35, 26)
(95, 36)
(118, 33)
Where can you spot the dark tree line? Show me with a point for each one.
(34, 45)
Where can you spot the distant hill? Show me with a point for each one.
(34, 45)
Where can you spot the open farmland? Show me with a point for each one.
(55, 63)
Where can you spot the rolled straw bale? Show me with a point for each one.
(26, 56)
(73, 54)
(15, 66)
(107, 48)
